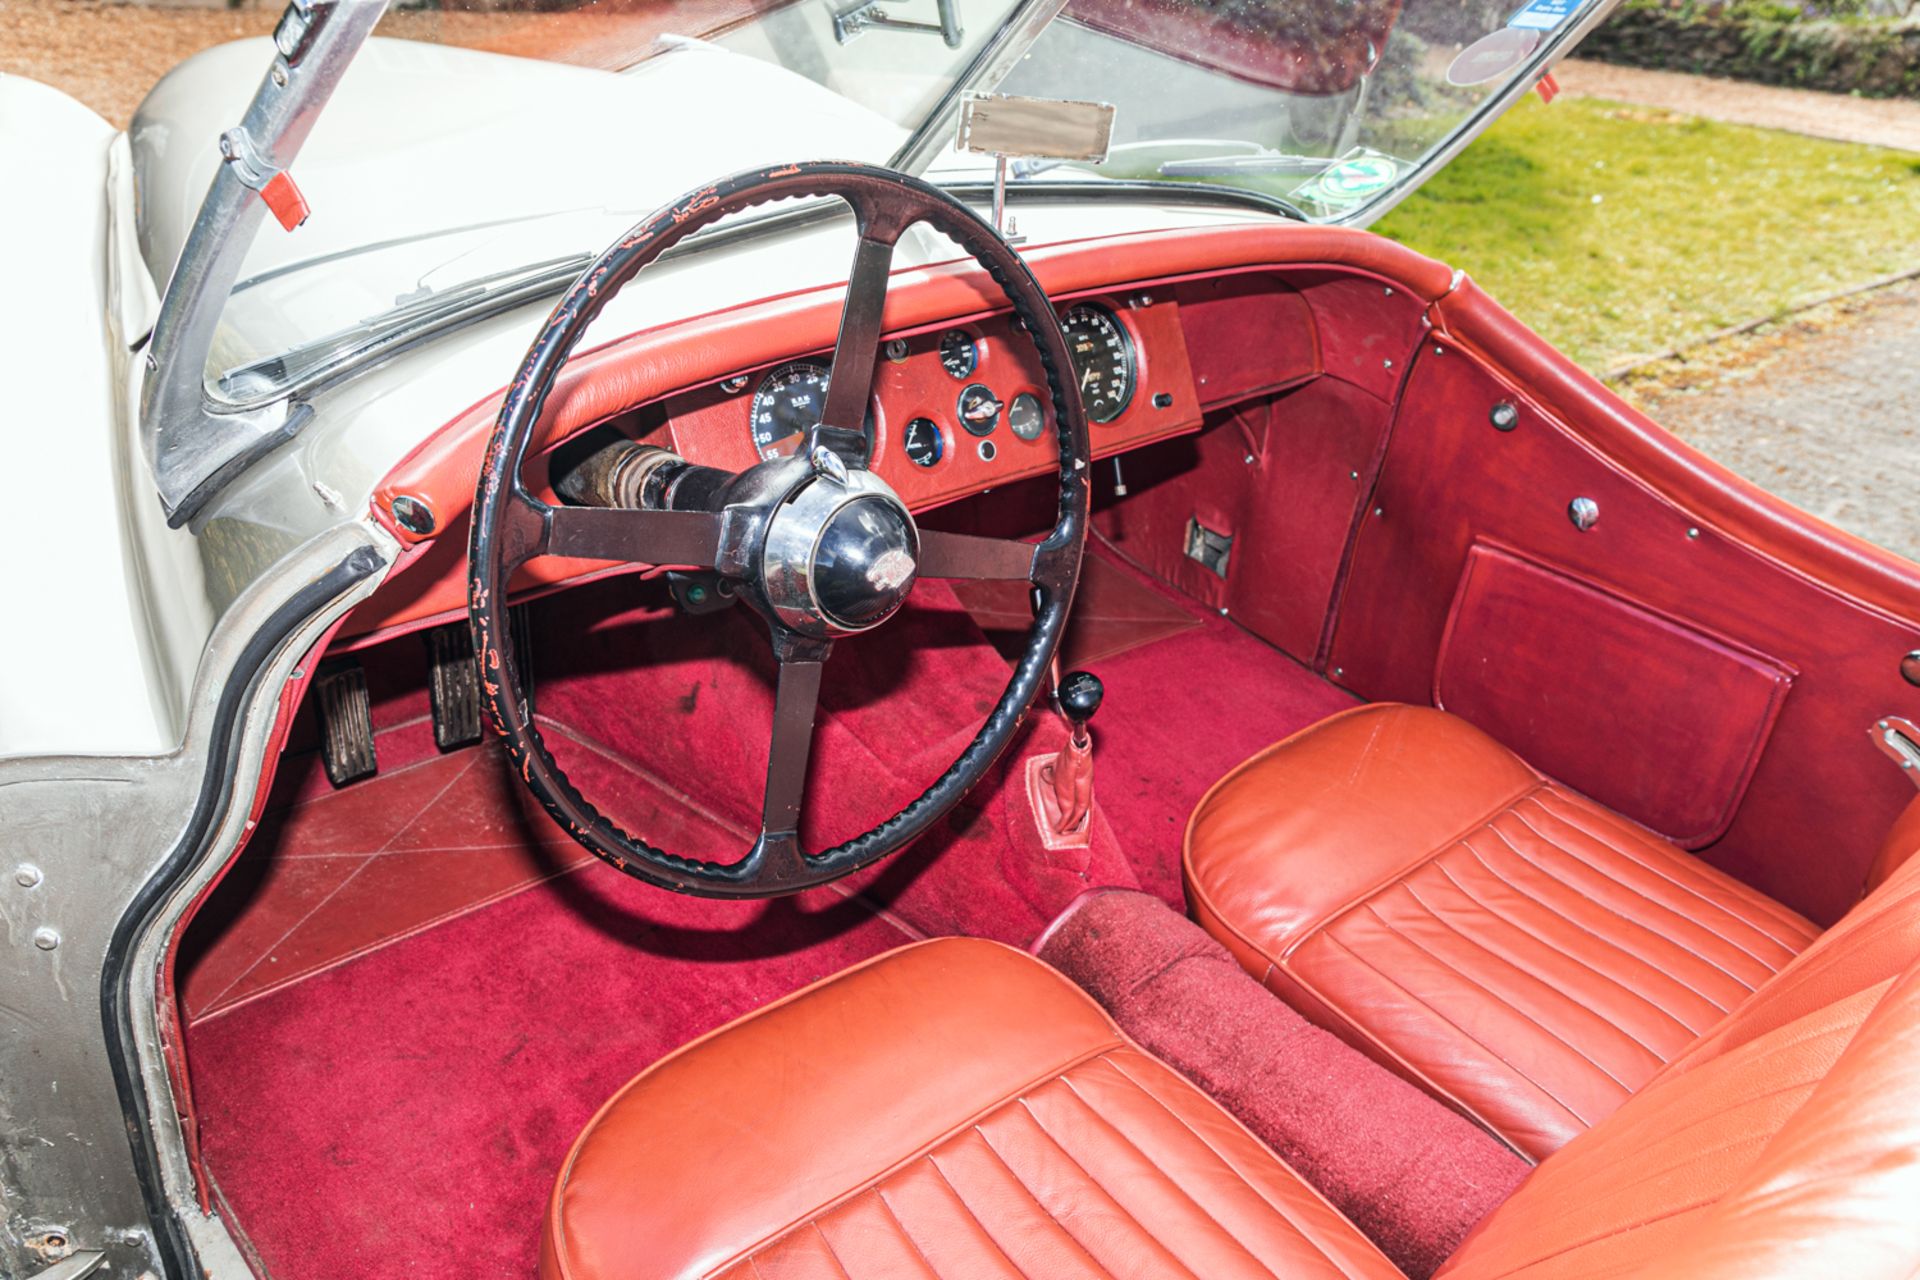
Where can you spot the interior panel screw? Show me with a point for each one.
(1503, 416)
(413, 515)
(1693, 533)
(1584, 512)
(26, 875)
(46, 939)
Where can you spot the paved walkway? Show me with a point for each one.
(1823, 413)
(1881, 122)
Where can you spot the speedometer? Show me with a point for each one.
(1103, 362)
(788, 403)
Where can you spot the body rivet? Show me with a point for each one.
(26, 875)
(46, 939)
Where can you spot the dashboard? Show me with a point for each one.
(956, 391)
(962, 406)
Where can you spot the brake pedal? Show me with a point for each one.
(346, 721)
(453, 686)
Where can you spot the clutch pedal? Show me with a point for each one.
(346, 721)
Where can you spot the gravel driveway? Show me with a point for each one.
(1821, 410)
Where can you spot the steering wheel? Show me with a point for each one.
(818, 544)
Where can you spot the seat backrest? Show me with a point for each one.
(1784, 1143)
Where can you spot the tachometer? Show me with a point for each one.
(1103, 361)
(788, 402)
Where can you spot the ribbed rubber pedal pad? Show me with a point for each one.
(346, 721)
(453, 679)
(453, 685)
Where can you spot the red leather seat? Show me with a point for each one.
(1501, 940)
(956, 1109)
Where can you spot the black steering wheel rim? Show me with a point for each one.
(510, 526)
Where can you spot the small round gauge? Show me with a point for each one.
(1102, 359)
(1024, 416)
(923, 442)
(959, 353)
(788, 403)
(979, 410)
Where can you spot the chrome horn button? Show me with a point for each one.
(840, 556)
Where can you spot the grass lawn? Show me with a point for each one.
(1619, 231)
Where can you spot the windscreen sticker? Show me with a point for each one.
(1492, 56)
(1359, 176)
(1545, 15)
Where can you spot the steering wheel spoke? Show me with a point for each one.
(682, 539)
(966, 555)
(856, 352)
(796, 701)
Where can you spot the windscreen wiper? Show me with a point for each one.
(1267, 164)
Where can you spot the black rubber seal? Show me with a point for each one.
(216, 793)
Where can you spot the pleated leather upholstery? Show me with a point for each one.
(954, 1108)
(1785, 1145)
(1510, 945)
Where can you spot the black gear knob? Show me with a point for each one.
(1078, 695)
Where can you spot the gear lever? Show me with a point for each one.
(1061, 788)
(1078, 696)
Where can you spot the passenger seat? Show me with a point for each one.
(1515, 948)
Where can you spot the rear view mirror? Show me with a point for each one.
(1044, 128)
(1002, 125)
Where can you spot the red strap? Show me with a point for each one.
(285, 200)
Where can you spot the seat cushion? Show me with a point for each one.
(954, 1108)
(1512, 946)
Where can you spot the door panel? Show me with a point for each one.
(1820, 796)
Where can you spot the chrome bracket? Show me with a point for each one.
(1899, 740)
(254, 171)
(850, 24)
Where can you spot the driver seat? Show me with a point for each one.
(957, 1108)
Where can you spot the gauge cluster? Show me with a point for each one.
(965, 406)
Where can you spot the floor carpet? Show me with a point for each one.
(405, 1114)
(411, 994)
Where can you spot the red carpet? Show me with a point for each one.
(409, 996)
(405, 1114)
(1411, 1173)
